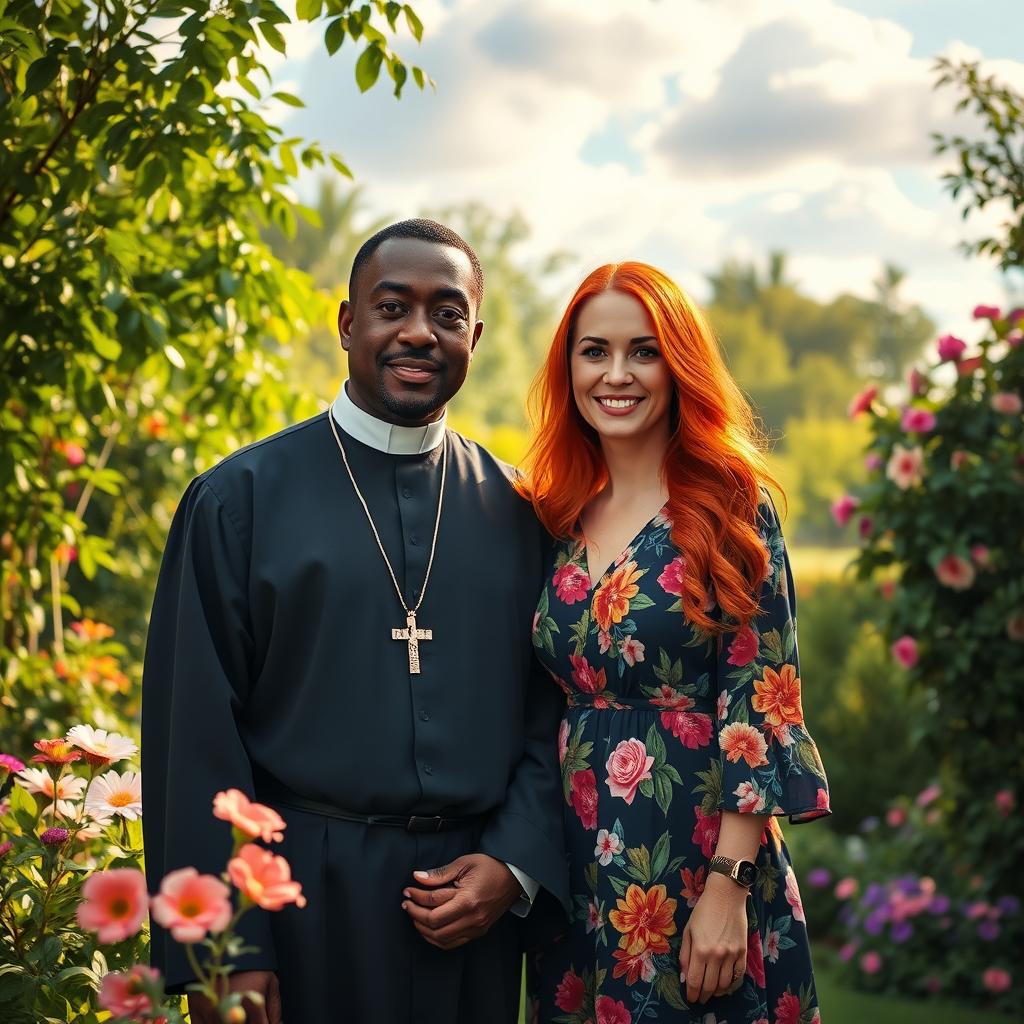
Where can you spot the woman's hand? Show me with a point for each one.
(713, 956)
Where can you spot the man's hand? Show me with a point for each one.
(262, 983)
(462, 899)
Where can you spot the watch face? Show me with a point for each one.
(746, 872)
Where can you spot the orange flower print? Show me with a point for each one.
(616, 590)
(645, 919)
(778, 696)
(738, 739)
(693, 884)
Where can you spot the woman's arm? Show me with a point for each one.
(713, 955)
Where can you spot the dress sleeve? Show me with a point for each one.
(196, 679)
(769, 763)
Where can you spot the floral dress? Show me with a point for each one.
(664, 727)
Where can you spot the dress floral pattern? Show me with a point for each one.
(666, 726)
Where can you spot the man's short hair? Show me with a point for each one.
(424, 230)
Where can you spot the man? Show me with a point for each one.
(338, 636)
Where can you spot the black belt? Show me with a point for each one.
(410, 822)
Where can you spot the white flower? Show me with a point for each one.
(69, 787)
(102, 745)
(112, 794)
(608, 845)
(750, 801)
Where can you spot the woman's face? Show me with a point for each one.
(620, 381)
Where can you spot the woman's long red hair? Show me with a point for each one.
(714, 468)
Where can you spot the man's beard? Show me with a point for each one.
(416, 407)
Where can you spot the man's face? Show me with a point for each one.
(410, 330)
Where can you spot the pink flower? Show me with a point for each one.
(1007, 402)
(755, 957)
(887, 588)
(724, 699)
(927, 795)
(5, 847)
(594, 920)
(981, 556)
(264, 878)
(861, 402)
(1014, 338)
(905, 467)
(706, 829)
(904, 650)
(950, 348)
(986, 313)
(955, 572)
(113, 904)
(631, 650)
(821, 800)
(611, 1011)
(190, 905)
(895, 816)
(122, 994)
(995, 979)
(55, 836)
(788, 1009)
(750, 801)
(563, 740)
(671, 578)
(843, 508)
(583, 792)
(917, 421)
(967, 366)
(585, 676)
(608, 845)
(958, 459)
(873, 461)
(933, 983)
(672, 699)
(571, 583)
(692, 730)
(871, 962)
(793, 895)
(604, 641)
(917, 382)
(1005, 801)
(864, 526)
(846, 887)
(10, 763)
(628, 766)
(255, 820)
(1015, 315)
(771, 946)
(72, 451)
(570, 992)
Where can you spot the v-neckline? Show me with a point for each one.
(586, 553)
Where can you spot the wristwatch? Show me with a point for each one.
(742, 872)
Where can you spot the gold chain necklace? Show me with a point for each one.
(411, 635)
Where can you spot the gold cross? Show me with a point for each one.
(412, 636)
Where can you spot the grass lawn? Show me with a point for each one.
(842, 1006)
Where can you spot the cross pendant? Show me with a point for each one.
(412, 636)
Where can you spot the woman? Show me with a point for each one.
(669, 621)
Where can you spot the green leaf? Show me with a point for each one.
(640, 858)
(368, 67)
(288, 98)
(662, 791)
(40, 74)
(659, 856)
(174, 357)
(415, 27)
(640, 602)
(335, 35)
(647, 787)
(340, 166)
(309, 10)
(273, 36)
(617, 884)
(418, 76)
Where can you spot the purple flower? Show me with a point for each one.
(988, 930)
(55, 836)
(869, 824)
(875, 921)
(1008, 905)
(819, 877)
(939, 904)
(846, 953)
(901, 931)
(873, 895)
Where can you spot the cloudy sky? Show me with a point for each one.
(682, 132)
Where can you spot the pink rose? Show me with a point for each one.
(917, 382)
(793, 896)
(843, 508)
(950, 348)
(862, 402)
(583, 786)
(1005, 802)
(1007, 402)
(904, 650)
(871, 962)
(755, 958)
(986, 313)
(628, 766)
(846, 888)
(995, 979)
(571, 583)
(917, 421)
(611, 1011)
(895, 816)
(955, 572)
(958, 459)
(671, 579)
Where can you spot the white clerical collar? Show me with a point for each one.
(384, 436)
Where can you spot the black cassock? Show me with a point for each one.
(270, 663)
